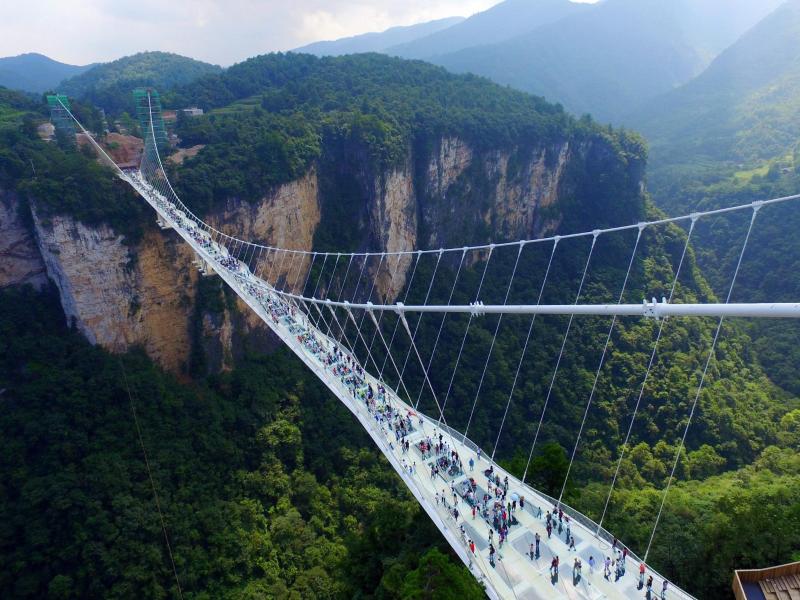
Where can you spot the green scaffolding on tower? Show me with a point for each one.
(148, 103)
(61, 119)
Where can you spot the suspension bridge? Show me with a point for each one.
(320, 304)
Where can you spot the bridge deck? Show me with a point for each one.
(514, 574)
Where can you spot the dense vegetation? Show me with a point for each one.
(269, 488)
(248, 460)
(370, 106)
(730, 137)
(61, 181)
(742, 111)
(109, 85)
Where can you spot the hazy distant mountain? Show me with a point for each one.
(501, 22)
(110, 85)
(35, 72)
(609, 57)
(745, 106)
(378, 41)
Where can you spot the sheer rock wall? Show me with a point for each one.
(121, 295)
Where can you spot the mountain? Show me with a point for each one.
(378, 41)
(615, 55)
(35, 72)
(109, 85)
(501, 22)
(745, 108)
(268, 486)
(731, 136)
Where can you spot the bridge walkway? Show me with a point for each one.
(513, 573)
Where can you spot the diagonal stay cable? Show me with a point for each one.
(524, 348)
(709, 358)
(397, 322)
(150, 477)
(331, 281)
(369, 299)
(466, 330)
(316, 286)
(642, 388)
(427, 368)
(355, 293)
(494, 339)
(600, 366)
(380, 316)
(424, 302)
(560, 355)
(329, 331)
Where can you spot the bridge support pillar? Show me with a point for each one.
(203, 266)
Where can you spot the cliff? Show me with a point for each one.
(20, 261)
(122, 294)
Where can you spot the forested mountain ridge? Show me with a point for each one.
(576, 54)
(615, 55)
(36, 73)
(399, 134)
(377, 130)
(731, 136)
(109, 85)
(502, 21)
(377, 41)
(742, 110)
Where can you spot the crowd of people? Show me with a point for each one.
(494, 506)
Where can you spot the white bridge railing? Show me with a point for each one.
(494, 578)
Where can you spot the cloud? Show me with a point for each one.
(217, 31)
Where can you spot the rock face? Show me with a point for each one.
(393, 220)
(287, 217)
(20, 261)
(502, 192)
(149, 294)
(118, 295)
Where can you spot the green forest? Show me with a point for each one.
(273, 115)
(268, 486)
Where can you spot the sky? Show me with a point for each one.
(217, 31)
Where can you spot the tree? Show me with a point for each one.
(437, 578)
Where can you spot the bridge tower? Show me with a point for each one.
(61, 119)
(148, 103)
